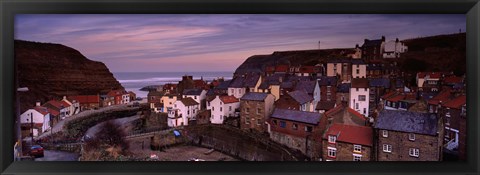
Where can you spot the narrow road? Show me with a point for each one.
(53, 155)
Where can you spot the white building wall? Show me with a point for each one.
(354, 100)
(362, 71)
(331, 71)
(26, 117)
(198, 98)
(236, 92)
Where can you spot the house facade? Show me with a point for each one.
(343, 142)
(328, 88)
(254, 111)
(373, 49)
(222, 107)
(297, 130)
(186, 108)
(394, 48)
(199, 95)
(38, 117)
(359, 69)
(341, 68)
(408, 136)
(296, 100)
(360, 96)
(87, 101)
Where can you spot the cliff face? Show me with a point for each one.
(54, 70)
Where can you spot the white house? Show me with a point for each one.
(186, 108)
(431, 78)
(40, 117)
(394, 48)
(359, 95)
(340, 67)
(222, 107)
(199, 95)
(74, 105)
(236, 87)
(125, 97)
(359, 69)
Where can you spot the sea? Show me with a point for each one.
(134, 81)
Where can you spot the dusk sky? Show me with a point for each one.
(188, 43)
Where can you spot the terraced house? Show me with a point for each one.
(342, 142)
(255, 108)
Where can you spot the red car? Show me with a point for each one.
(36, 151)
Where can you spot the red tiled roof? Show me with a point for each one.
(431, 74)
(396, 98)
(199, 83)
(453, 79)
(270, 69)
(55, 103)
(82, 99)
(442, 96)
(334, 110)
(114, 93)
(53, 112)
(229, 99)
(456, 103)
(307, 69)
(65, 104)
(356, 113)
(41, 110)
(281, 68)
(388, 94)
(361, 135)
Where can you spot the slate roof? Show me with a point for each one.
(254, 96)
(264, 85)
(287, 85)
(362, 135)
(300, 96)
(308, 86)
(237, 82)
(399, 83)
(298, 116)
(406, 121)
(192, 91)
(380, 82)
(188, 101)
(325, 105)
(327, 81)
(369, 43)
(224, 84)
(360, 83)
(357, 61)
(339, 60)
(155, 93)
(251, 80)
(344, 88)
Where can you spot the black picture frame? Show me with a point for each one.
(9, 8)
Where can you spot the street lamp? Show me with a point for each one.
(18, 124)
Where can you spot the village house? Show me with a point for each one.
(199, 95)
(295, 100)
(428, 81)
(118, 97)
(74, 106)
(57, 106)
(396, 100)
(341, 68)
(168, 101)
(220, 89)
(86, 101)
(183, 111)
(359, 68)
(452, 112)
(271, 85)
(132, 96)
(297, 130)
(373, 49)
(360, 96)
(170, 88)
(343, 114)
(154, 99)
(37, 117)
(222, 107)
(243, 84)
(394, 48)
(254, 110)
(328, 88)
(342, 142)
(408, 136)
(438, 100)
(378, 87)
(312, 88)
(343, 93)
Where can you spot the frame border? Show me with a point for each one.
(9, 8)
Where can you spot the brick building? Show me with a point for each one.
(408, 136)
(295, 100)
(453, 112)
(254, 111)
(328, 88)
(347, 143)
(298, 130)
(373, 49)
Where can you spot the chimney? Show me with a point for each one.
(356, 46)
(64, 97)
(383, 38)
(366, 40)
(37, 103)
(397, 40)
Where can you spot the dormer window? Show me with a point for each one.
(332, 139)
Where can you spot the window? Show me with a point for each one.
(221, 117)
(329, 97)
(259, 111)
(230, 108)
(259, 122)
(213, 108)
(239, 91)
(357, 157)
(231, 91)
(247, 120)
(411, 137)
(221, 109)
(393, 104)
(356, 89)
(195, 97)
(208, 103)
(332, 139)
(294, 126)
(414, 152)
(308, 129)
(329, 88)
(357, 148)
(358, 71)
(362, 98)
(332, 152)
(385, 133)
(364, 110)
(274, 122)
(283, 124)
(247, 110)
(387, 148)
(221, 103)
(356, 105)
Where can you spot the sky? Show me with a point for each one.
(217, 42)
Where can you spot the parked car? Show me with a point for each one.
(36, 151)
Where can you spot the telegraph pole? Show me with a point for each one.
(319, 45)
